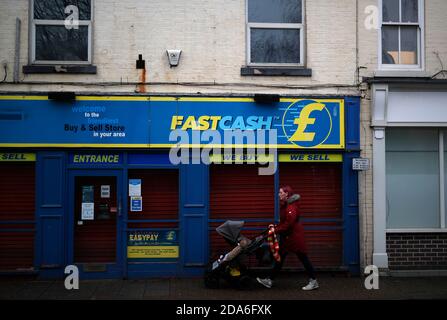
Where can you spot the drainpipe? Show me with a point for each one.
(17, 52)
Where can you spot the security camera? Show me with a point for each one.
(173, 56)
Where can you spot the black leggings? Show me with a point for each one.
(304, 260)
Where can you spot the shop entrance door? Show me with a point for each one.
(96, 202)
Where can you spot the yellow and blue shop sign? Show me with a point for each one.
(147, 122)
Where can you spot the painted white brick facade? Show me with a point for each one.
(212, 37)
(368, 39)
(435, 39)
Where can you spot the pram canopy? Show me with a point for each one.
(231, 230)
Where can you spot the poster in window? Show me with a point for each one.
(156, 244)
(88, 211)
(88, 203)
(134, 187)
(87, 194)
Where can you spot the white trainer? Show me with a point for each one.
(265, 282)
(312, 285)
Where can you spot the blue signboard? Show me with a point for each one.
(159, 122)
(80, 122)
(136, 204)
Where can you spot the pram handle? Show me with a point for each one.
(263, 233)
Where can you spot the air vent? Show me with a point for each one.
(94, 267)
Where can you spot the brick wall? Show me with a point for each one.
(419, 251)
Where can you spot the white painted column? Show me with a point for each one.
(441, 178)
(379, 121)
(380, 257)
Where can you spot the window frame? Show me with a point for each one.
(32, 37)
(420, 66)
(442, 135)
(289, 26)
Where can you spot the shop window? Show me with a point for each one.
(412, 178)
(61, 34)
(401, 34)
(275, 32)
(159, 199)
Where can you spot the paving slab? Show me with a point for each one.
(286, 287)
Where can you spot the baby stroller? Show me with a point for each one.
(231, 266)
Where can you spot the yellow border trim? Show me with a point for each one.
(92, 145)
(156, 98)
(134, 98)
(23, 97)
(72, 145)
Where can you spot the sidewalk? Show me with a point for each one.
(287, 287)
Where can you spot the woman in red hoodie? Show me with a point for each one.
(291, 233)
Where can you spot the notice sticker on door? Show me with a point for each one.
(136, 204)
(105, 191)
(87, 194)
(88, 211)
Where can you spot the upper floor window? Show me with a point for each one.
(275, 32)
(401, 34)
(61, 31)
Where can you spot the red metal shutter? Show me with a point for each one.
(238, 192)
(320, 188)
(160, 193)
(17, 204)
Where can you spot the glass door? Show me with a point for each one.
(96, 220)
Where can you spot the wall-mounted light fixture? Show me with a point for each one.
(173, 56)
(140, 63)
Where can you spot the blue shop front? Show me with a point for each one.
(134, 186)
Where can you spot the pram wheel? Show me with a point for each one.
(211, 281)
(245, 282)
